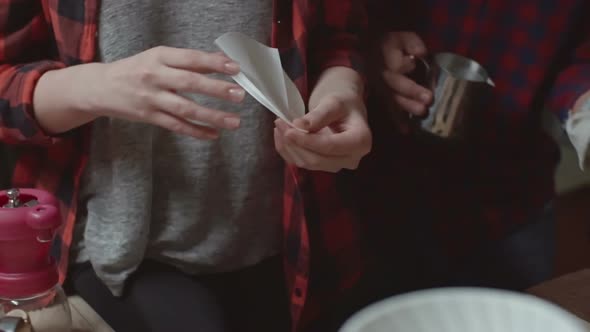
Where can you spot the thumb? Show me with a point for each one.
(327, 112)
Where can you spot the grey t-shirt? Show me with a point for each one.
(204, 207)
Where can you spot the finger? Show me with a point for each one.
(396, 48)
(280, 147)
(186, 81)
(295, 155)
(349, 142)
(181, 126)
(317, 162)
(392, 41)
(394, 58)
(282, 126)
(290, 150)
(410, 105)
(184, 108)
(408, 65)
(329, 111)
(310, 160)
(285, 151)
(197, 61)
(404, 86)
(411, 43)
(398, 62)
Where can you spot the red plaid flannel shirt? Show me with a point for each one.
(41, 35)
(538, 54)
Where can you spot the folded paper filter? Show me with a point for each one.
(577, 127)
(262, 75)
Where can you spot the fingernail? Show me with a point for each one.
(232, 68)
(425, 97)
(237, 93)
(231, 123)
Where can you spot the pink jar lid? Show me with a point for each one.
(39, 212)
(29, 219)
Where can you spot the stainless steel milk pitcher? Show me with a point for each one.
(460, 86)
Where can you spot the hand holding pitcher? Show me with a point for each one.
(399, 51)
(453, 87)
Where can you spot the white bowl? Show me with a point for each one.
(463, 310)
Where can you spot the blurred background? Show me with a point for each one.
(572, 206)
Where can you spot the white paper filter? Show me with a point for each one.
(262, 75)
(463, 310)
(577, 127)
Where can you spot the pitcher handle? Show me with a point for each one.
(424, 62)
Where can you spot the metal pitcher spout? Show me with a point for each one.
(460, 86)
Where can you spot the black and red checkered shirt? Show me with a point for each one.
(41, 35)
(537, 52)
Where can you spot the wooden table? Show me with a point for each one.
(85, 319)
(571, 292)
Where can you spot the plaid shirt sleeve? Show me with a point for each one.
(574, 80)
(24, 44)
(335, 39)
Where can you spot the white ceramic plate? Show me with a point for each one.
(463, 310)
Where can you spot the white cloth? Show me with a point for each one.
(577, 128)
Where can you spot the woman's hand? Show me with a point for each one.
(141, 88)
(397, 48)
(339, 135)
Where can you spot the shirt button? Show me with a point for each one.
(279, 22)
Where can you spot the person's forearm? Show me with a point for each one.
(57, 101)
(337, 79)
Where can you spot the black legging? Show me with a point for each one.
(160, 298)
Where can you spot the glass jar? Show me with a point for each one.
(45, 312)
